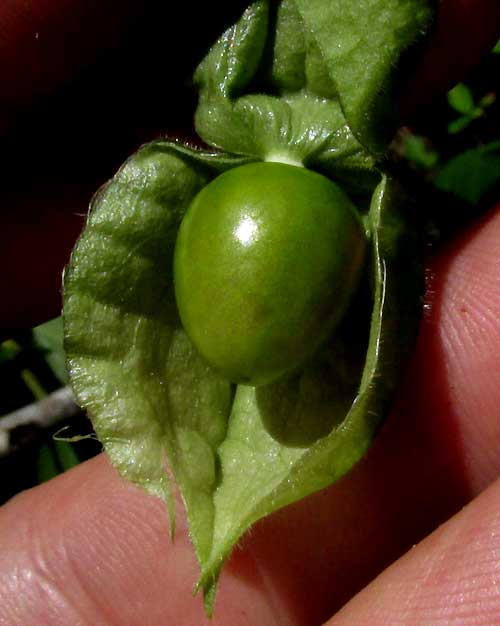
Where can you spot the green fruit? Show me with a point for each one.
(267, 258)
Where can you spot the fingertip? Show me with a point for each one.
(449, 397)
(470, 334)
(106, 544)
(450, 578)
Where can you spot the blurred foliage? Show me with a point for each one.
(461, 99)
(459, 155)
(471, 174)
(48, 338)
(53, 458)
(32, 365)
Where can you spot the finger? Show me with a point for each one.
(88, 548)
(450, 578)
(456, 367)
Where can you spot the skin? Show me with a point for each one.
(88, 548)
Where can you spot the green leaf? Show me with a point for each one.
(295, 116)
(325, 75)
(149, 395)
(461, 99)
(362, 43)
(486, 101)
(471, 174)
(460, 124)
(49, 338)
(496, 49)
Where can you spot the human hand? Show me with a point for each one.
(88, 548)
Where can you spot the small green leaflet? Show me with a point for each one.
(461, 99)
